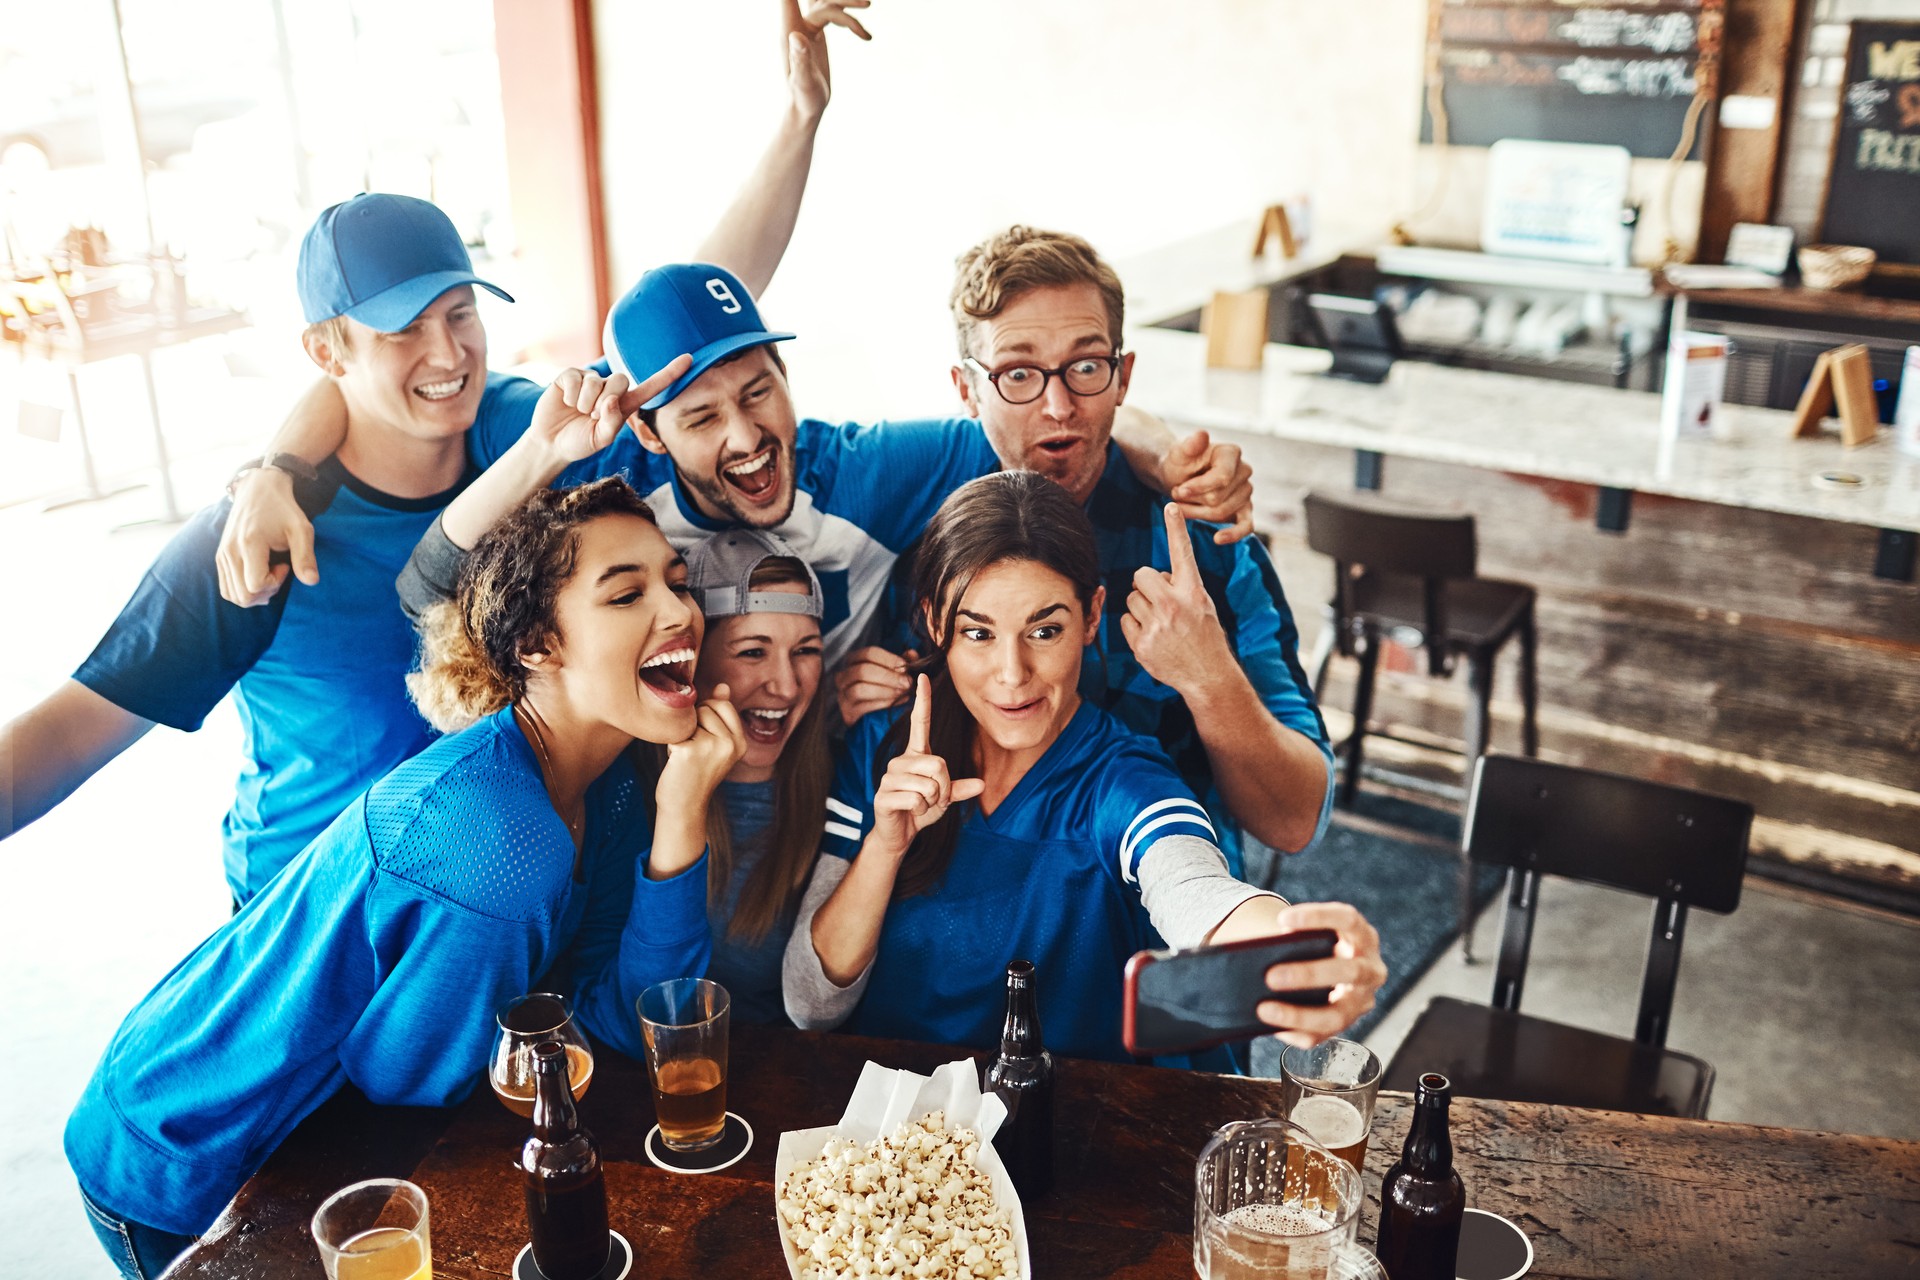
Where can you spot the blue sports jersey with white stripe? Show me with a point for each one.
(1051, 876)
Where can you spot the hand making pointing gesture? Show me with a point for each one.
(1170, 623)
(915, 790)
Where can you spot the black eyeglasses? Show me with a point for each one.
(1025, 383)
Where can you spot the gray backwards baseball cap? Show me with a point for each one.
(720, 569)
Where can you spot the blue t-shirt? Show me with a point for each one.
(750, 971)
(861, 494)
(318, 675)
(1049, 876)
(379, 957)
(1131, 532)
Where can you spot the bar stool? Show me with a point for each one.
(1410, 575)
(1680, 847)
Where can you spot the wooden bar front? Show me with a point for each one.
(1598, 1193)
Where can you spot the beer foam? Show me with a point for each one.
(1277, 1220)
(1333, 1122)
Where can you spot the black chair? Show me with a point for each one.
(1410, 575)
(1682, 848)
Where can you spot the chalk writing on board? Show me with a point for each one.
(1609, 77)
(1581, 28)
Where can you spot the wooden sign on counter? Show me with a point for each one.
(1236, 328)
(1842, 377)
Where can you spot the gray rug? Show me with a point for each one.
(1406, 887)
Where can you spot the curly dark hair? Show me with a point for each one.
(503, 607)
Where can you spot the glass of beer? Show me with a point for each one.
(375, 1231)
(685, 1025)
(1329, 1091)
(524, 1023)
(1270, 1202)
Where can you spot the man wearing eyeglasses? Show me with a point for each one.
(1198, 646)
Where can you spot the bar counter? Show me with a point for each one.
(1598, 1193)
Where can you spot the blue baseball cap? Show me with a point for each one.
(381, 260)
(691, 307)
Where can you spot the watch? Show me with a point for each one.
(291, 463)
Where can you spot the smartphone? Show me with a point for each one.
(1183, 1001)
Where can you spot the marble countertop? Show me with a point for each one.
(1183, 276)
(1529, 426)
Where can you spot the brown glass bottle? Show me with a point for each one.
(1422, 1199)
(566, 1191)
(1022, 1075)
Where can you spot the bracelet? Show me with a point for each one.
(291, 463)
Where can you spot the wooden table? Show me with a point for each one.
(1599, 1193)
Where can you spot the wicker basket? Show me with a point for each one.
(1834, 266)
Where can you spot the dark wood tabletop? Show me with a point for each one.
(1600, 1194)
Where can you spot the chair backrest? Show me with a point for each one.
(1679, 847)
(1370, 534)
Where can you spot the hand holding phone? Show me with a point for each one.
(1183, 1001)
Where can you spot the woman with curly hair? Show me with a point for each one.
(536, 846)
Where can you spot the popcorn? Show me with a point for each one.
(913, 1204)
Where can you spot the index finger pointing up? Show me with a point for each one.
(1186, 570)
(920, 727)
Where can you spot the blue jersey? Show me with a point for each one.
(861, 495)
(1130, 533)
(379, 957)
(1049, 876)
(318, 675)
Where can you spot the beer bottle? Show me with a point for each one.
(1022, 1075)
(566, 1192)
(1422, 1199)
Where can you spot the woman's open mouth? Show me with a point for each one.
(766, 726)
(757, 478)
(669, 676)
(1022, 710)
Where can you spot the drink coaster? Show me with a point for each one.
(1838, 480)
(619, 1261)
(1491, 1248)
(735, 1140)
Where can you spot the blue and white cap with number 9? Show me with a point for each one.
(685, 307)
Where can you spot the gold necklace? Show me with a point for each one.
(532, 731)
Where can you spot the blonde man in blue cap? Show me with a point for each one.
(318, 673)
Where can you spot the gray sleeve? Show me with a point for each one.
(1187, 889)
(813, 1000)
(432, 572)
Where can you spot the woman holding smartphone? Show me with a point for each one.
(533, 843)
(1066, 839)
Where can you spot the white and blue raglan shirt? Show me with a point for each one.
(1099, 851)
(378, 958)
(318, 675)
(862, 493)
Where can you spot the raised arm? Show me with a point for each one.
(47, 751)
(1274, 778)
(752, 235)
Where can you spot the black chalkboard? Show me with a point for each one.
(1873, 187)
(1597, 71)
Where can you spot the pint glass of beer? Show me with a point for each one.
(1329, 1091)
(1270, 1203)
(685, 1025)
(375, 1230)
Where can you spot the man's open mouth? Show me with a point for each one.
(765, 725)
(669, 674)
(1059, 445)
(442, 390)
(756, 477)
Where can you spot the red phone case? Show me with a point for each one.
(1305, 944)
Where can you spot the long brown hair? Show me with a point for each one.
(800, 780)
(1007, 516)
(504, 604)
